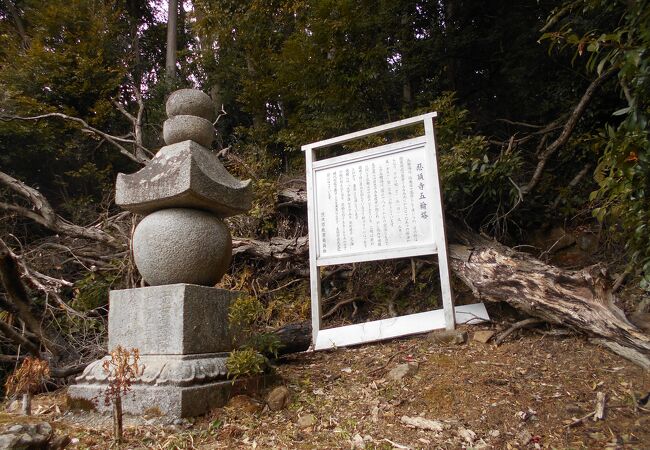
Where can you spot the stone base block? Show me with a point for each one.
(175, 387)
(175, 319)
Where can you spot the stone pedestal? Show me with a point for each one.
(182, 333)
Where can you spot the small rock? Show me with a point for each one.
(524, 437)
(424, 424)
(597, 436)
(306, 421)
(278, 398)
(374, 413)
(402, 370)
(573, 408)
(483, 336)
(36, 435)
(494, 433)
(447, 337)
(357, 441)
(468, 435)
(347, 369)
(9, 441)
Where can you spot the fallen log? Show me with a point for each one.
(294, 337)
(582, 300)
(275, 248)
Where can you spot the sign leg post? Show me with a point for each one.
(314, 271)
(440, 235)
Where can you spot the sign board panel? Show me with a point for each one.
(375, 204)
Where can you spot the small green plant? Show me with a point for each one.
(245, 312)
(31, 374)
(122, 369)
(245, 317)
(245, 362)
(265, 343)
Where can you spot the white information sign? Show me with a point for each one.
(375, 204)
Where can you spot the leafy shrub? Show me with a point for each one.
(245, 362)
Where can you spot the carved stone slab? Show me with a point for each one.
(184, 175)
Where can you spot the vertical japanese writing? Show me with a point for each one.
(374, 204)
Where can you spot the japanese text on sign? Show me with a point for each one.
(376, 203)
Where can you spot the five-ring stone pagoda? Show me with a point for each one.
(182, 248)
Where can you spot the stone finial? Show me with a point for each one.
(190, 115)
(190, 102)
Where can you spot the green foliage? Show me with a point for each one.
(245, 315)
(91, 291)
(264, 343)
(245, 362)
(616, 36)
(245, 312)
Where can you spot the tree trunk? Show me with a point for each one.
(172, 28)
(18, 21)
(294, 337)
(581, 300)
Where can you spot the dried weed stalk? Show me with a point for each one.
(122, 369)
(25, 380)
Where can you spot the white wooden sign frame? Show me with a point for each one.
(448, 316)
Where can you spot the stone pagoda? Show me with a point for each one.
(182, 248)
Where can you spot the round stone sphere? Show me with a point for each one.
(190, 102)
(193, 128)
(180, 245)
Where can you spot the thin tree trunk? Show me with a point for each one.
(172, 28)
(20, 27)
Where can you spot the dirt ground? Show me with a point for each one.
(532, 389)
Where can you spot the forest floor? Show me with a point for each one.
(531, 389)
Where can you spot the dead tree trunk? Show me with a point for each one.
(581, 300)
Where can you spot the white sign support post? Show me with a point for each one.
(376, 204)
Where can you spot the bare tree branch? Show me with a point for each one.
(141, 151)
(16, 293)
(9, 332)
(568, 128)
(115, 140)
(45, 215)
(574, 182)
